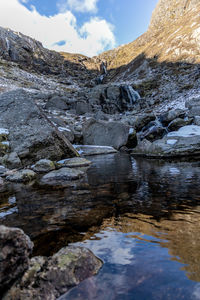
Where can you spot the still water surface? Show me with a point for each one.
(141, 217)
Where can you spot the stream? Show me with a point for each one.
(141, 217)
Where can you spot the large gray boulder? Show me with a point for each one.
(49, 278)
(31, 136)
(184, 142)
(15, 248)
(114, 134)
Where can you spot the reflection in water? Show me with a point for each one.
(142, 217)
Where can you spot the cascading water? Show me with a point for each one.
(130, 94)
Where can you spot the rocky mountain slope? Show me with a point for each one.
(163, 63)
(158, 72)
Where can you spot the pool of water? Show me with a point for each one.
(141, 217)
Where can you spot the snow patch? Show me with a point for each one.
(186, 131)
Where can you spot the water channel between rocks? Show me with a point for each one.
(141, 217)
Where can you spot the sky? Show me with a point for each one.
(87, 27)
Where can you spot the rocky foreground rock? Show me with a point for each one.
(30, 135)
(15, 248)
(40, 277)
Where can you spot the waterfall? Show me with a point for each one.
(130, 94)
(7, 44)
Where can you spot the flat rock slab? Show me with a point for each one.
(184, 142)
(50, 278)
(30, 134)
(62, 174)
(74, 162)
(94, 150)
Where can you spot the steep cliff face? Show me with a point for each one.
(173, 35)
(170, 11)
(163, 63)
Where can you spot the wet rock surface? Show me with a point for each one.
(74, 162)
(62, 174)
(15, 248)
(50, 278)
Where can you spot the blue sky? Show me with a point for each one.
(82, 26)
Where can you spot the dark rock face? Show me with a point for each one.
(15, 248)
(31, 137)
(49, 278)
(22, 49)
(171, 115)
(113, 98)
(153, 131)
(102, 133)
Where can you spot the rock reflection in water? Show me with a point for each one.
(145, 258)
(141, 217)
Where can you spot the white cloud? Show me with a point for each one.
(79, 5)
(90, 39)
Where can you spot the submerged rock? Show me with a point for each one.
(15, 248)
(49, 278)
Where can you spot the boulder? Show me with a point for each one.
(178, 123)
(153, 131)
(12, 160)
(43, 166)
(141, 120)
(114, 134)
(23, 176)
(15, 248)
(184, 142)
(197, 120)
(30, 136)
(62, 174)
(50, 278)
(132, 139)
(169, 116)
(56, 103)
(82, 107)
